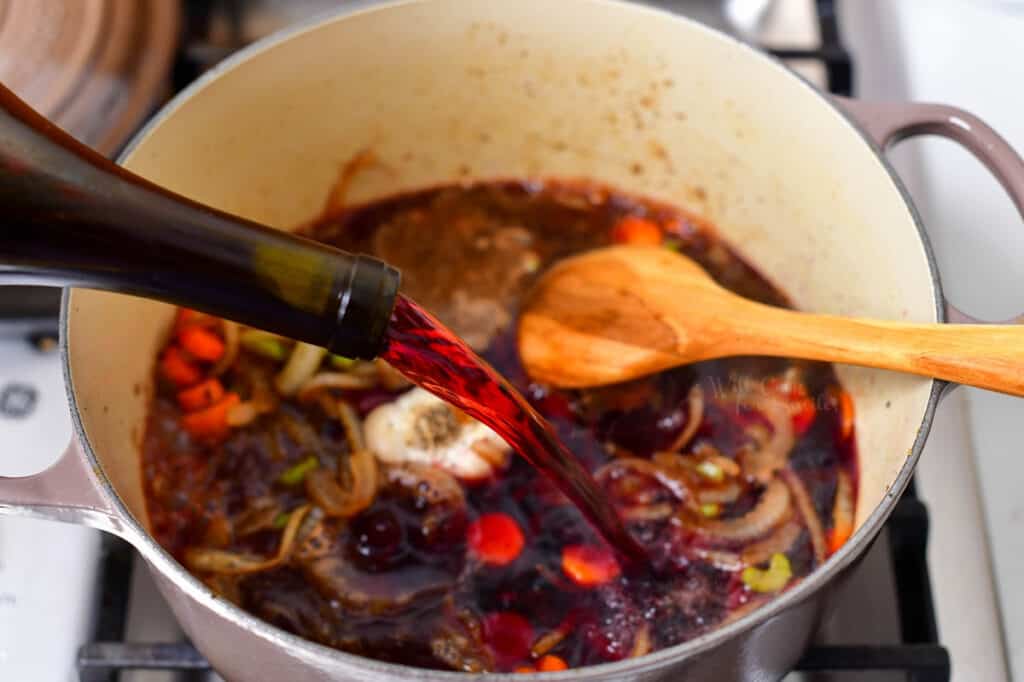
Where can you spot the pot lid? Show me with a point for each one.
(95, 67)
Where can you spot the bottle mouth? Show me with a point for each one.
(365, 303)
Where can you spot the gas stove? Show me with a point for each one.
(911, 606)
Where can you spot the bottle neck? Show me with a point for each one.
(71, 218)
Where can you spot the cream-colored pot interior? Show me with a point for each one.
(447, 90)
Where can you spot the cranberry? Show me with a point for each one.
(645, 430)
(509, 635)
(377, 540)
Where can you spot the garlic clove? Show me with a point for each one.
(420, 427)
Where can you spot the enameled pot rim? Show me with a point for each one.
(162, 561)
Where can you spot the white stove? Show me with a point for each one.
(48, 570)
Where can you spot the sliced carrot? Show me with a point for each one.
(201, 396)
(551, 663)
(842, 514)
(186, 317)
(201, 343)
(635, 230)
(845, 415)
(525, 669)
(496, 539)
(589, 566)
(210, 423)
(179, 369)
(838, 536)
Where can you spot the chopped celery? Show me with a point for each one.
(281, 520)
(341, 362)
(263, 343)
(771, 579)
(710, 510)
(711, 471)
(297, 473)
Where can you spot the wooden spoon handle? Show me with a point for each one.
(982, 355)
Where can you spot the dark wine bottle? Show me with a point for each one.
(70, 217)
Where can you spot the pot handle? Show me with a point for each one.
(890, 122)
(68, 491)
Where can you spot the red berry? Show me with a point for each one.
(509, 636)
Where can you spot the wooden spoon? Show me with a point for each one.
(621, 312)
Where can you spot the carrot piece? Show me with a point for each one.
(635, 230)
(201, 343)
(496, 539)
(201, 396)
(838, 536)
(845, 415)
(551, 663)
(178, 369)
(589, 566)
(186, 317)
(842, 514)
(525, 669)
(210, 423)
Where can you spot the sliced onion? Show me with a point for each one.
(664, 468)
(209, 560)
(695, 402)
(231, 333)
(312, 541)
(353, 426)
(641, 642)
(772, 509)
(548, 641)
(242, 414)
(364, 477)
(345, 381)
(842, 513)
(806, 509)
(720, 559)
(771, 451)
(709, 453)
(648, 512)
(779, 542)
(720, 494)
(302, 364)
(323, 487)
(259, 515)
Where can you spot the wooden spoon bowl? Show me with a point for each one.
(621, 312)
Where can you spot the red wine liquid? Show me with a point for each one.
(429, 354)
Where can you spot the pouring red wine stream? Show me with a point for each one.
(429, 354)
